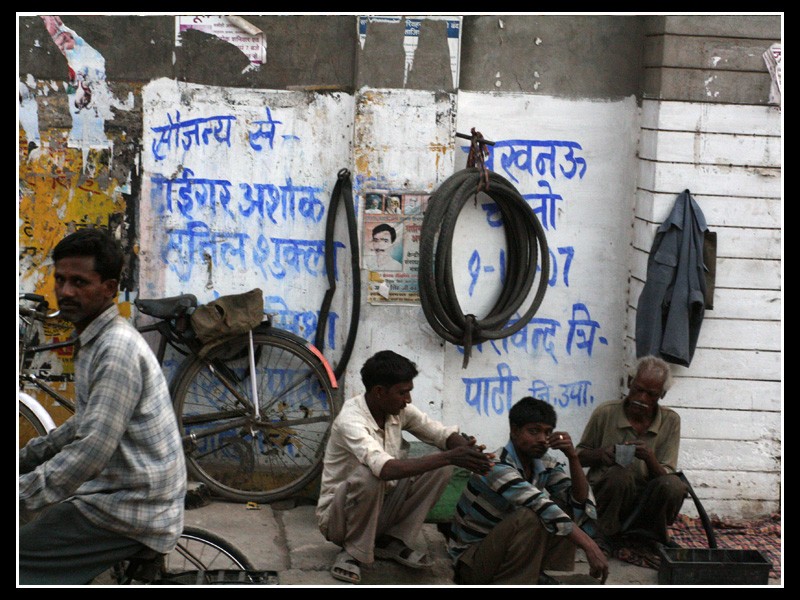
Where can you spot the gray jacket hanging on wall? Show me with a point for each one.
(674, 299)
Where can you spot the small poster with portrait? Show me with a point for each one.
(390, 249)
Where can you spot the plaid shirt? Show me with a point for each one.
(119, 459)
(488, 499)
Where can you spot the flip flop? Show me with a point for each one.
(346, 568)
(396, 550)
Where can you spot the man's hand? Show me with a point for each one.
(597, 457)
(655, 468)
(642, 451)
(598, 563)
(560, 440)
(465, 452)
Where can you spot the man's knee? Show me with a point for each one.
(618, 480)
(440, 476)
(362, 481)
(524, 522)
(670, 487)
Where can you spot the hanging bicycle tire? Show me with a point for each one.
(527, 255)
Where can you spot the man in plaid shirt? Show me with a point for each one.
(111, 480)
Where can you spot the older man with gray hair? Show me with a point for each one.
(631, 448)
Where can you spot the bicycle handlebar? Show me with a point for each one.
(37, 314)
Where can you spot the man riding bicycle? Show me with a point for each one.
(111, 481)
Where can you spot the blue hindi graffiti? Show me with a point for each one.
(198, 244)
(494, 394)
(543, 336)
(178, 135)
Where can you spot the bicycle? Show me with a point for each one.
(242, 450)
(34, 419)
(199, 558)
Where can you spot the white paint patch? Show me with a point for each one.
(29, 113)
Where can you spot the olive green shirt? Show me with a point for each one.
(608, 426)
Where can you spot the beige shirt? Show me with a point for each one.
(357, 440)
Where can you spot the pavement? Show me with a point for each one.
(283, 537)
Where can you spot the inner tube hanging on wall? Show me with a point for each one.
(527, 253)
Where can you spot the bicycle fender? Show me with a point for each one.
(292, 337)
(38, 410)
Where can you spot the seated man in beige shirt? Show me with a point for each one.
(373, 499)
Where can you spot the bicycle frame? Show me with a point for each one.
(29, 350)
(277, 443)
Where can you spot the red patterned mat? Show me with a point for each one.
(761, 534)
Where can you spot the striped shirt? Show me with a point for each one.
(488, 499)
(119, 459)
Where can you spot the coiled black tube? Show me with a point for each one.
(526, 251)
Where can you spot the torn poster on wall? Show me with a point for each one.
(392, 227)
(234, 30)
(411, 37)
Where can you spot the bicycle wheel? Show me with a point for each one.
(201, 557)
(31, 424)
(246, 454)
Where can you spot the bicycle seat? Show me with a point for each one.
(167, 308)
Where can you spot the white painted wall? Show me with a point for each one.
(604, 219)
(267, 162)
(591, 226)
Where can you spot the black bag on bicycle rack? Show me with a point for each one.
(228, 316)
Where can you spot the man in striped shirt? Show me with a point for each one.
(526, 514)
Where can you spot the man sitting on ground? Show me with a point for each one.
(526, 514)
(641, 498)
(373, 499)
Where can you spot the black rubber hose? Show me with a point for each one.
(342, 193)
(527, 251)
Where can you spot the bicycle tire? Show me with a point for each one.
(30, 424)
(199, 550)
(200, 557)
(247, 457)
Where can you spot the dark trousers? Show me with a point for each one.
(514, 552)
(626, 504)
(62, 547)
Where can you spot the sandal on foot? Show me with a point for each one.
(394, 549)
(346, 568)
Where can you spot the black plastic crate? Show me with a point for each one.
(712, 566)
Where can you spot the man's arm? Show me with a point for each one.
(561, 440)
(98, 430)
(663, 458)
(590, 451)
(42, 448)
(598, 563)
(596, 457)
(461, 452)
